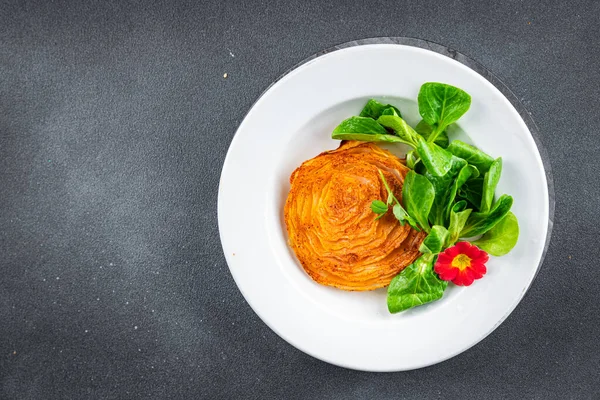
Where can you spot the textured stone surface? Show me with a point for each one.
(114, 122)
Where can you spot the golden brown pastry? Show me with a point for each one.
(330, 224)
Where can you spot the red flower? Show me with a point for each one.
(461, 264)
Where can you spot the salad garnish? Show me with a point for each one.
(450, 194)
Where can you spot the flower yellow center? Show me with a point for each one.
(461, 261)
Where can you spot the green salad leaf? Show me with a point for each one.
(425, 130)
(399, 212)
(391, 111)
(365, 137)
(412, 159)
(459, 215)
(400, 128)
(464, 174)
(481, 222)
(490, 181)
(418, 195)
(435, 241)
(363, 129)
(437, 161)
(441, 105)
(443, 189)
(471, 192)
(471, 154)
(402, 216)
(379, 207)
(501, 239)
(374, 109)
(360, 125)
(417, 284)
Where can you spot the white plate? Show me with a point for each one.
(292, 122)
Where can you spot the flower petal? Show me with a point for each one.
(447, 274)
(444, 258)
(463, 247)
(481, 256)
(477, 271)
(464, 278)
(451, 251)
(444, 268)
(479, 268)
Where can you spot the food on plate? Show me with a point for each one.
(330, 223)
(358, 218)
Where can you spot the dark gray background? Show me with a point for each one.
(114, 123)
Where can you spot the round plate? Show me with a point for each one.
(292, 122)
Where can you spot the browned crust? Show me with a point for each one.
(330, 225)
